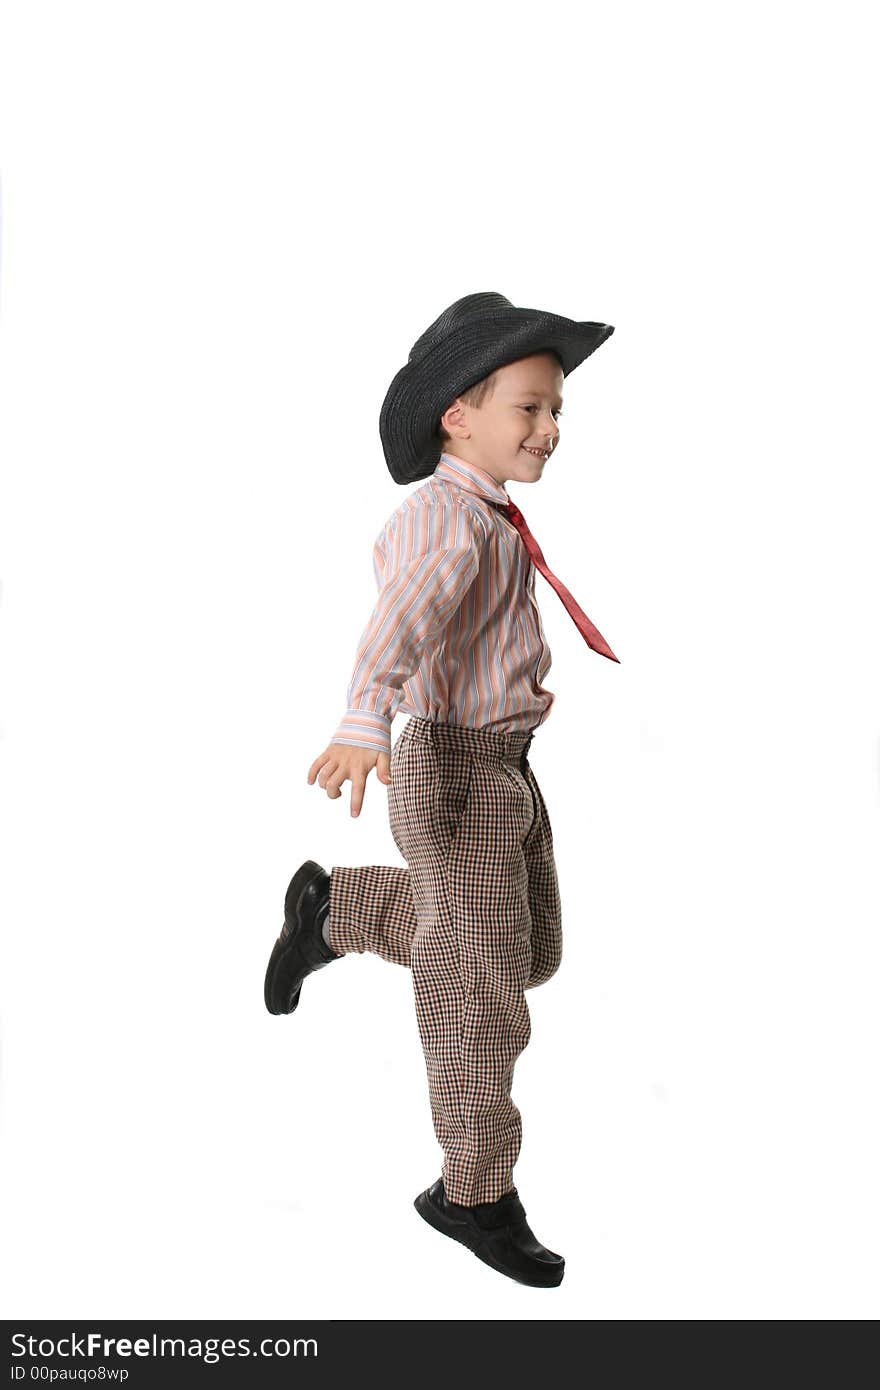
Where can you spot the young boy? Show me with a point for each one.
(456, 642)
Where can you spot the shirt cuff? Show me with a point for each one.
(364, 729)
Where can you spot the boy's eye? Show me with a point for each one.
(557, 413)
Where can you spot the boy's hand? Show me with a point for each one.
(343, 762)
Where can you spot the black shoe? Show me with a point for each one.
(301, 947)
(496, 1232)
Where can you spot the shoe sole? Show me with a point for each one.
(458, 1230)
(296, 891)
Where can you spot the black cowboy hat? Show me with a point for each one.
(469, 340)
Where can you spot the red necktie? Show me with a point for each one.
(591, 634)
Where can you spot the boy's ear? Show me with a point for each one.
(452, 415)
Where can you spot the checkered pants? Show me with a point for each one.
(476, 916)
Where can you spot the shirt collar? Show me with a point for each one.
(470, 477)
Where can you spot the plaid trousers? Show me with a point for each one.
(476, 917)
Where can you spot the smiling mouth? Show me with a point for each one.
(537, 453)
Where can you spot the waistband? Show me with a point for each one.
(483, 743)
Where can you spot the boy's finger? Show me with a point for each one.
(357, 794)
(333, 781)
(316, 766)
(329, 770)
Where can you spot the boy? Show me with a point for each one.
(456, 642)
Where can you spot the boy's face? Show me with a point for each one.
(508, 434)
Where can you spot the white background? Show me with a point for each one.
(224, 225)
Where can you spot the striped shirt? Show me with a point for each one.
(456, 635)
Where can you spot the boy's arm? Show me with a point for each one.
(432, 558)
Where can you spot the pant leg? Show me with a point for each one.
(372, 906)
(462, 823)
(372, 909)
(544, 901)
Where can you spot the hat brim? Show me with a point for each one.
(422, 390)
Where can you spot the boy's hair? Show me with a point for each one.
(475, 395)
